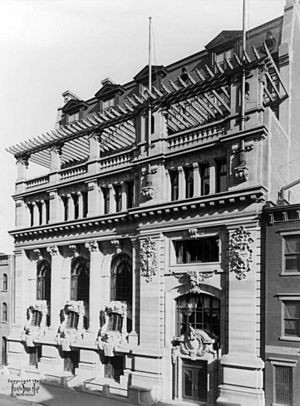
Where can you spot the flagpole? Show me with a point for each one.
(149, 88)
(243, 85)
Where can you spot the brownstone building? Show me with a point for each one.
(282, 293)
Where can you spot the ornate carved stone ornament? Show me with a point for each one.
(194, 233)
(116, 245)
(92, 246)
(75, 249)
(194, 344)
(147, 188)
(148, 257)
(193, 279)
(241, 171)
(37, 254)
(53, 250)
(113, 328)
(35, 328)
(69, 336)
(240, 252)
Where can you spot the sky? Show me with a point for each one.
(50, 46)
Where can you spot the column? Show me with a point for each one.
(124, 195)
(212, 176)
(95, 199)
(44, 212)
(57, 291)
(22, 167)
(55, 156)
(80, 205)
(112, 200)
(71, 208)
(56, 207)
(35, 214)
(133, 336)
(94, 153)
(96, 259)
(197, 179)
(181, 183)
(22, 214)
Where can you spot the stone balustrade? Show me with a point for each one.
(73, 172)
(37, 182)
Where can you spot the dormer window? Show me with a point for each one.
(72, 117)
(106, 104)
(220, 57)
(109, 94)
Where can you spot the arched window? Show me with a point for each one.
(4, 282)
(121, 283)
(121, 279)
(200, 311)
(43, 286)
(80, 280)
(4, 312)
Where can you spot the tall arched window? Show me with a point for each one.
(80, 280)
(121, 283)
(121, 279)
(4, 312)
(4, 282)
(43, 286)
(200, 311)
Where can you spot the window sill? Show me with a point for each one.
(290, 273)
(284, 338)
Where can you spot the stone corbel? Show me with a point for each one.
(92, 246)
(116, 245)
(241, 171)
(147, 187)
(75, 250)
(53, 250)
(37, 254)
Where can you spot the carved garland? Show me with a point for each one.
(148, 259)
(240, 252)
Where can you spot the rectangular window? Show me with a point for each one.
(283, 385)
(85, 204)
(76, 205)
(221, 176)
(189, 182)
(204, 173)
(291, 318)
(115, 322)
(105, 192)
(47, 204)
(65, 201)
(220, 57)
(118, 197)
(292, 253)
(174, 185)
(129, 195)
(201, 250)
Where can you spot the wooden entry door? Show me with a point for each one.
(71, 360)
(194, 381)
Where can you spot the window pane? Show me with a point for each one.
(202, 250)
(292, 244)
(283, 385)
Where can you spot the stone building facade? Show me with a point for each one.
(138, 256)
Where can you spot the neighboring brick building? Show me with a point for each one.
(282, 307)
(6, 301)
(138, 255)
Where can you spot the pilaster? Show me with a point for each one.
(56, 207)
(96, 259)
(197, 179)
(242, 367)
(212, 176)
(95, 199)
(181, 183)
(57, 290)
